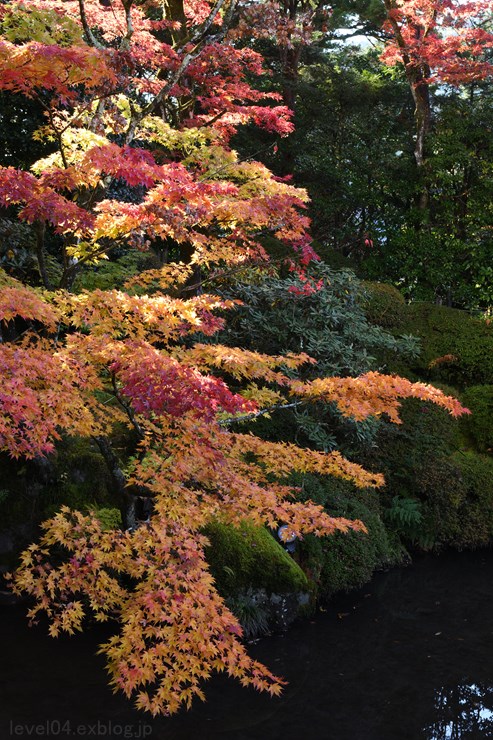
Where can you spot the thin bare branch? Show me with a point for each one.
(257, 414)
(127, 408)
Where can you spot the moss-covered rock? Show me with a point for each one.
(34, 490)
(82, 479)
(261, 583)
(249, 556)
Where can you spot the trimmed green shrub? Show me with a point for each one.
(249, 556)
(349, 560)
(439, 486)
(455, 347)
(383, 304)
(423, 488)
(476, 513)
(457, 497)
(426, 432)
(345, 560)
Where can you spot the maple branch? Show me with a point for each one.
(57, 335)
(125, 42)
(164, 92)
(71, 269)
(119, 481)
(91, 39)
(215, 276)
(57, 132)
(214, 119)
(127, 408)
(198, 41)
(222, 274)
(227, 166)
(202, 31)
(100, 108)
(40, 239)
(228, 18)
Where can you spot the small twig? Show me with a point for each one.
(262, 412)
(128, 409)
(57, 335)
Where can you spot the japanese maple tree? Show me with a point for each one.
(291, 24)
(437, 41)
(149, 95)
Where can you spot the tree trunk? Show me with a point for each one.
(421, 96)
(417, 75)
(119, 484)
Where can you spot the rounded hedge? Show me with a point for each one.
(383, 304)
(345, 560)
(455, 347)
(457, 496)
(478, 426)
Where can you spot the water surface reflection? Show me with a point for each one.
(462, 711)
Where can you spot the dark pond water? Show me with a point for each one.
(410, 656)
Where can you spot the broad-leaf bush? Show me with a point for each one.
(321, 312)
